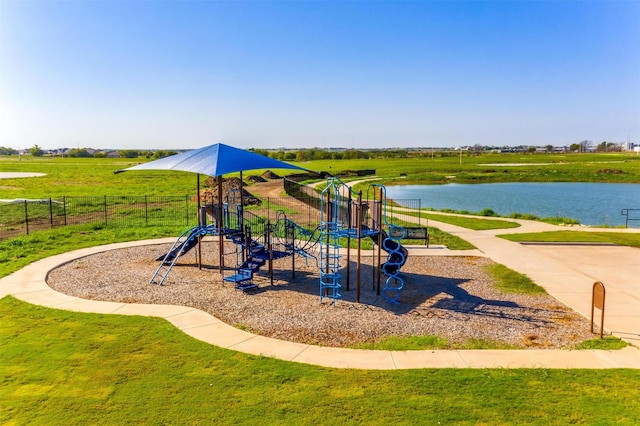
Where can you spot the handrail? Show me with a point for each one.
(629, 212)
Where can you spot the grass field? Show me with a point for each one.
(84, 176)
(73, 368)
(61, 367)
(620, 238)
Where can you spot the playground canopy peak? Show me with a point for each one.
(215, 160)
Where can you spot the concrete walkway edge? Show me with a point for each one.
(29, 284)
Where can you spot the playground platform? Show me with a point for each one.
(566, 271)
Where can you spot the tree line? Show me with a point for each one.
(311, 154)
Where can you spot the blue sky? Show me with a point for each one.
(185, 74)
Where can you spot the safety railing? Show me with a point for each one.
(632, 215)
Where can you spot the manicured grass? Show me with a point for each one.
(73, 368)
(18, 252)
(438, 237)
(470, 222)
(631, 239)
(409, 343)
(606, 343)
(510, 281)
(69, 368)
(95, 176)
(83, 176)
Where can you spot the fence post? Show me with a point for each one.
(105, 210)
(51, 212)
(146, 211)
(186, 204)
(26, 216)
(64, 209)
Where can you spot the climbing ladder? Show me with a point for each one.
(330, 233)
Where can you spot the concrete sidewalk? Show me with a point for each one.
(546, 267)
(568, 272)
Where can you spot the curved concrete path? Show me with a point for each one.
(566, 271)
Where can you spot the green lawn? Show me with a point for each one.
(82, 176)
(476, 224)
(62, 367)
(59, 367)
(631, 239)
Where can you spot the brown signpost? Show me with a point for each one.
(597, 301)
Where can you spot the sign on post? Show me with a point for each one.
(597, 301)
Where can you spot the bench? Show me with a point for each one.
(413, 233)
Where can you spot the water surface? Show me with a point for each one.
(589, 203)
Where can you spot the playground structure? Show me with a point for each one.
(343, 216)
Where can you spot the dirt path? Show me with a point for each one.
(271, 188)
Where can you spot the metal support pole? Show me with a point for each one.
(359, 222)
(26, 216)
(51, 212)
(270, 245)
(379, 244)
(220, 231)
(201, 216)
(349, 218)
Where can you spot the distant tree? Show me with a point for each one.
(585, 145)
(549, 148)
(78, 152)
(477, 149)
(574, 147)
(531, 149)
(161, 153)
(7, 151)
(605, 146)
(36, 151)
(260, 151)
(128, 153)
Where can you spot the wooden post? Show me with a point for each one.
(597, 301)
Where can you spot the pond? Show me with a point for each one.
(590, 203)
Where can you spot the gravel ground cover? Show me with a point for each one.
(451, 297)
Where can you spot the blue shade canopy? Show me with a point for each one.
(215, 160)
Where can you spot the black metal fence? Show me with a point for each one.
(21, 217)
(24, 216)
